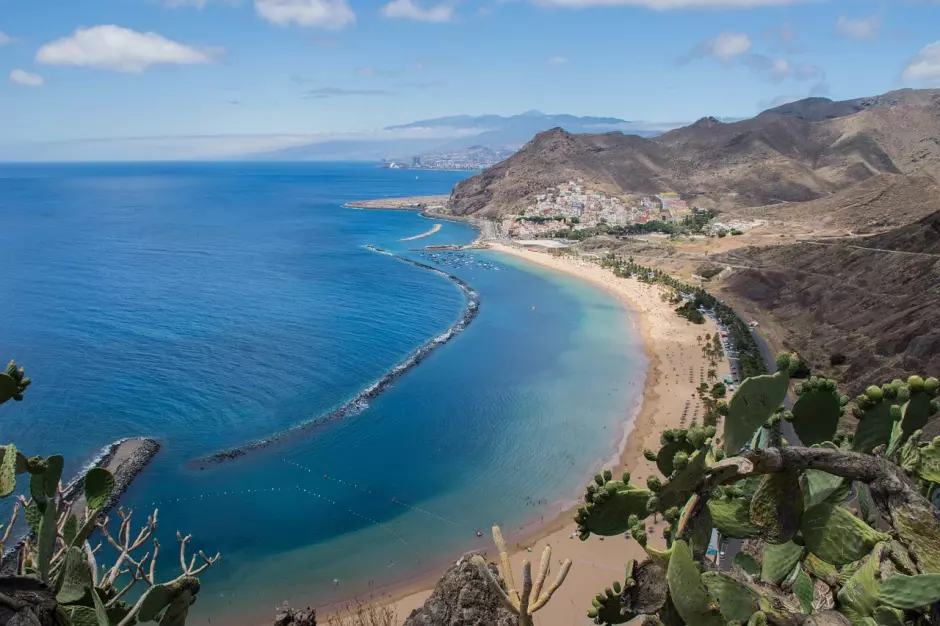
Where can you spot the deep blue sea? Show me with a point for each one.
(212, 305)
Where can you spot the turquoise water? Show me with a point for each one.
(212, 305)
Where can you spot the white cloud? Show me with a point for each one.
(27, 79)
(5, 39)
(119, 49)
(408, 10)
(728, 45)
(667, 5)
(334, 14)
(558, 60)
(925, 65)
(862, 29)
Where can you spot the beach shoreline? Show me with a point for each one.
(669, 343)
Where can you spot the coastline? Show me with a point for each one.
(411, 203)
(675, 363)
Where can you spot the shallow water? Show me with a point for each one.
(211, 305)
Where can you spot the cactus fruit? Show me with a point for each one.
(816, 411)
(732, 518)
(609, 506)
(13, 383)
(859, 595)
(779, 560)
(755, 401)
(643, 592)
(687, 589)
(777, 507)
(920, 406)
(910, 592)
(836, 536)
(876, 419)
(736, 601)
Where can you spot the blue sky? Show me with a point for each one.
(273, 72)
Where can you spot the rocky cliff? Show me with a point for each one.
(462, 598)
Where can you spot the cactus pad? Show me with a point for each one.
(921, 405)
(747, 563)
(816, 411)
(687, 589)
(732, 519)
(779, 560)
(928, 461)
(755, 401)
(13, 383)
(876, 420)
(836, 536)
(910, 592)
(736, 601)
(609, 506)
(820, 486)
(673, 442)
(8, 471)
(777, 507)
(803, 589)
(822, 570)
(859, 595)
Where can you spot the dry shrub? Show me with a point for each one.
(363, 613)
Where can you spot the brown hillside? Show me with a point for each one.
(872, 299)
(797, 153)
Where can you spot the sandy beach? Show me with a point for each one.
(669, 401)
(413, 203)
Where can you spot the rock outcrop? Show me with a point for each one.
(462, 598)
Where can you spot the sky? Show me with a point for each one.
(241, 75)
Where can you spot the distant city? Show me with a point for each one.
(473, 158)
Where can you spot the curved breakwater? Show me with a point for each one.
(360, 401)
(428, 233)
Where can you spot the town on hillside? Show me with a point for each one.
(572, 208)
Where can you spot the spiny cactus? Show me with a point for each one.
(57, 551)
(817, 410)
(13, 383)
(609, 505)
(687, 590)
(859, 595)
(836, 536)
(779, 560)
(777, 506)
(643, 592)
(755, 402)
(910, 592)
(532, 598)
(876, 410)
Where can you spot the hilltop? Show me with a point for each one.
(800, 152)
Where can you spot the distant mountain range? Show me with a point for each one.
(799, 152)
(454, 134)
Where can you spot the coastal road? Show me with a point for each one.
(730, 547)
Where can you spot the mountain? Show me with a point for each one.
(796, 153)
(872, 299)
(453, 134)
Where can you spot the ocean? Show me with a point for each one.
(211, 305)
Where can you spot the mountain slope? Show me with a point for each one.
(778, 156)
(872, 299)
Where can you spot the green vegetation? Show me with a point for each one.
(735, 232)
(56, 566)
(817, 556)
(690, 312)
(693, 224)
(710, 273)
(749, 357)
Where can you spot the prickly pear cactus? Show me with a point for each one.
(836, 536)
(13, 383)
(876, 419)
(777, 507)
(859, 595)
(921, 404)
(779, 560)
(687, 589)
(910, 592)
(731, 516)
(755, 402)
(609, 505)
(735, 600)
(817, 410)
(928, 461)
(678, 445)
